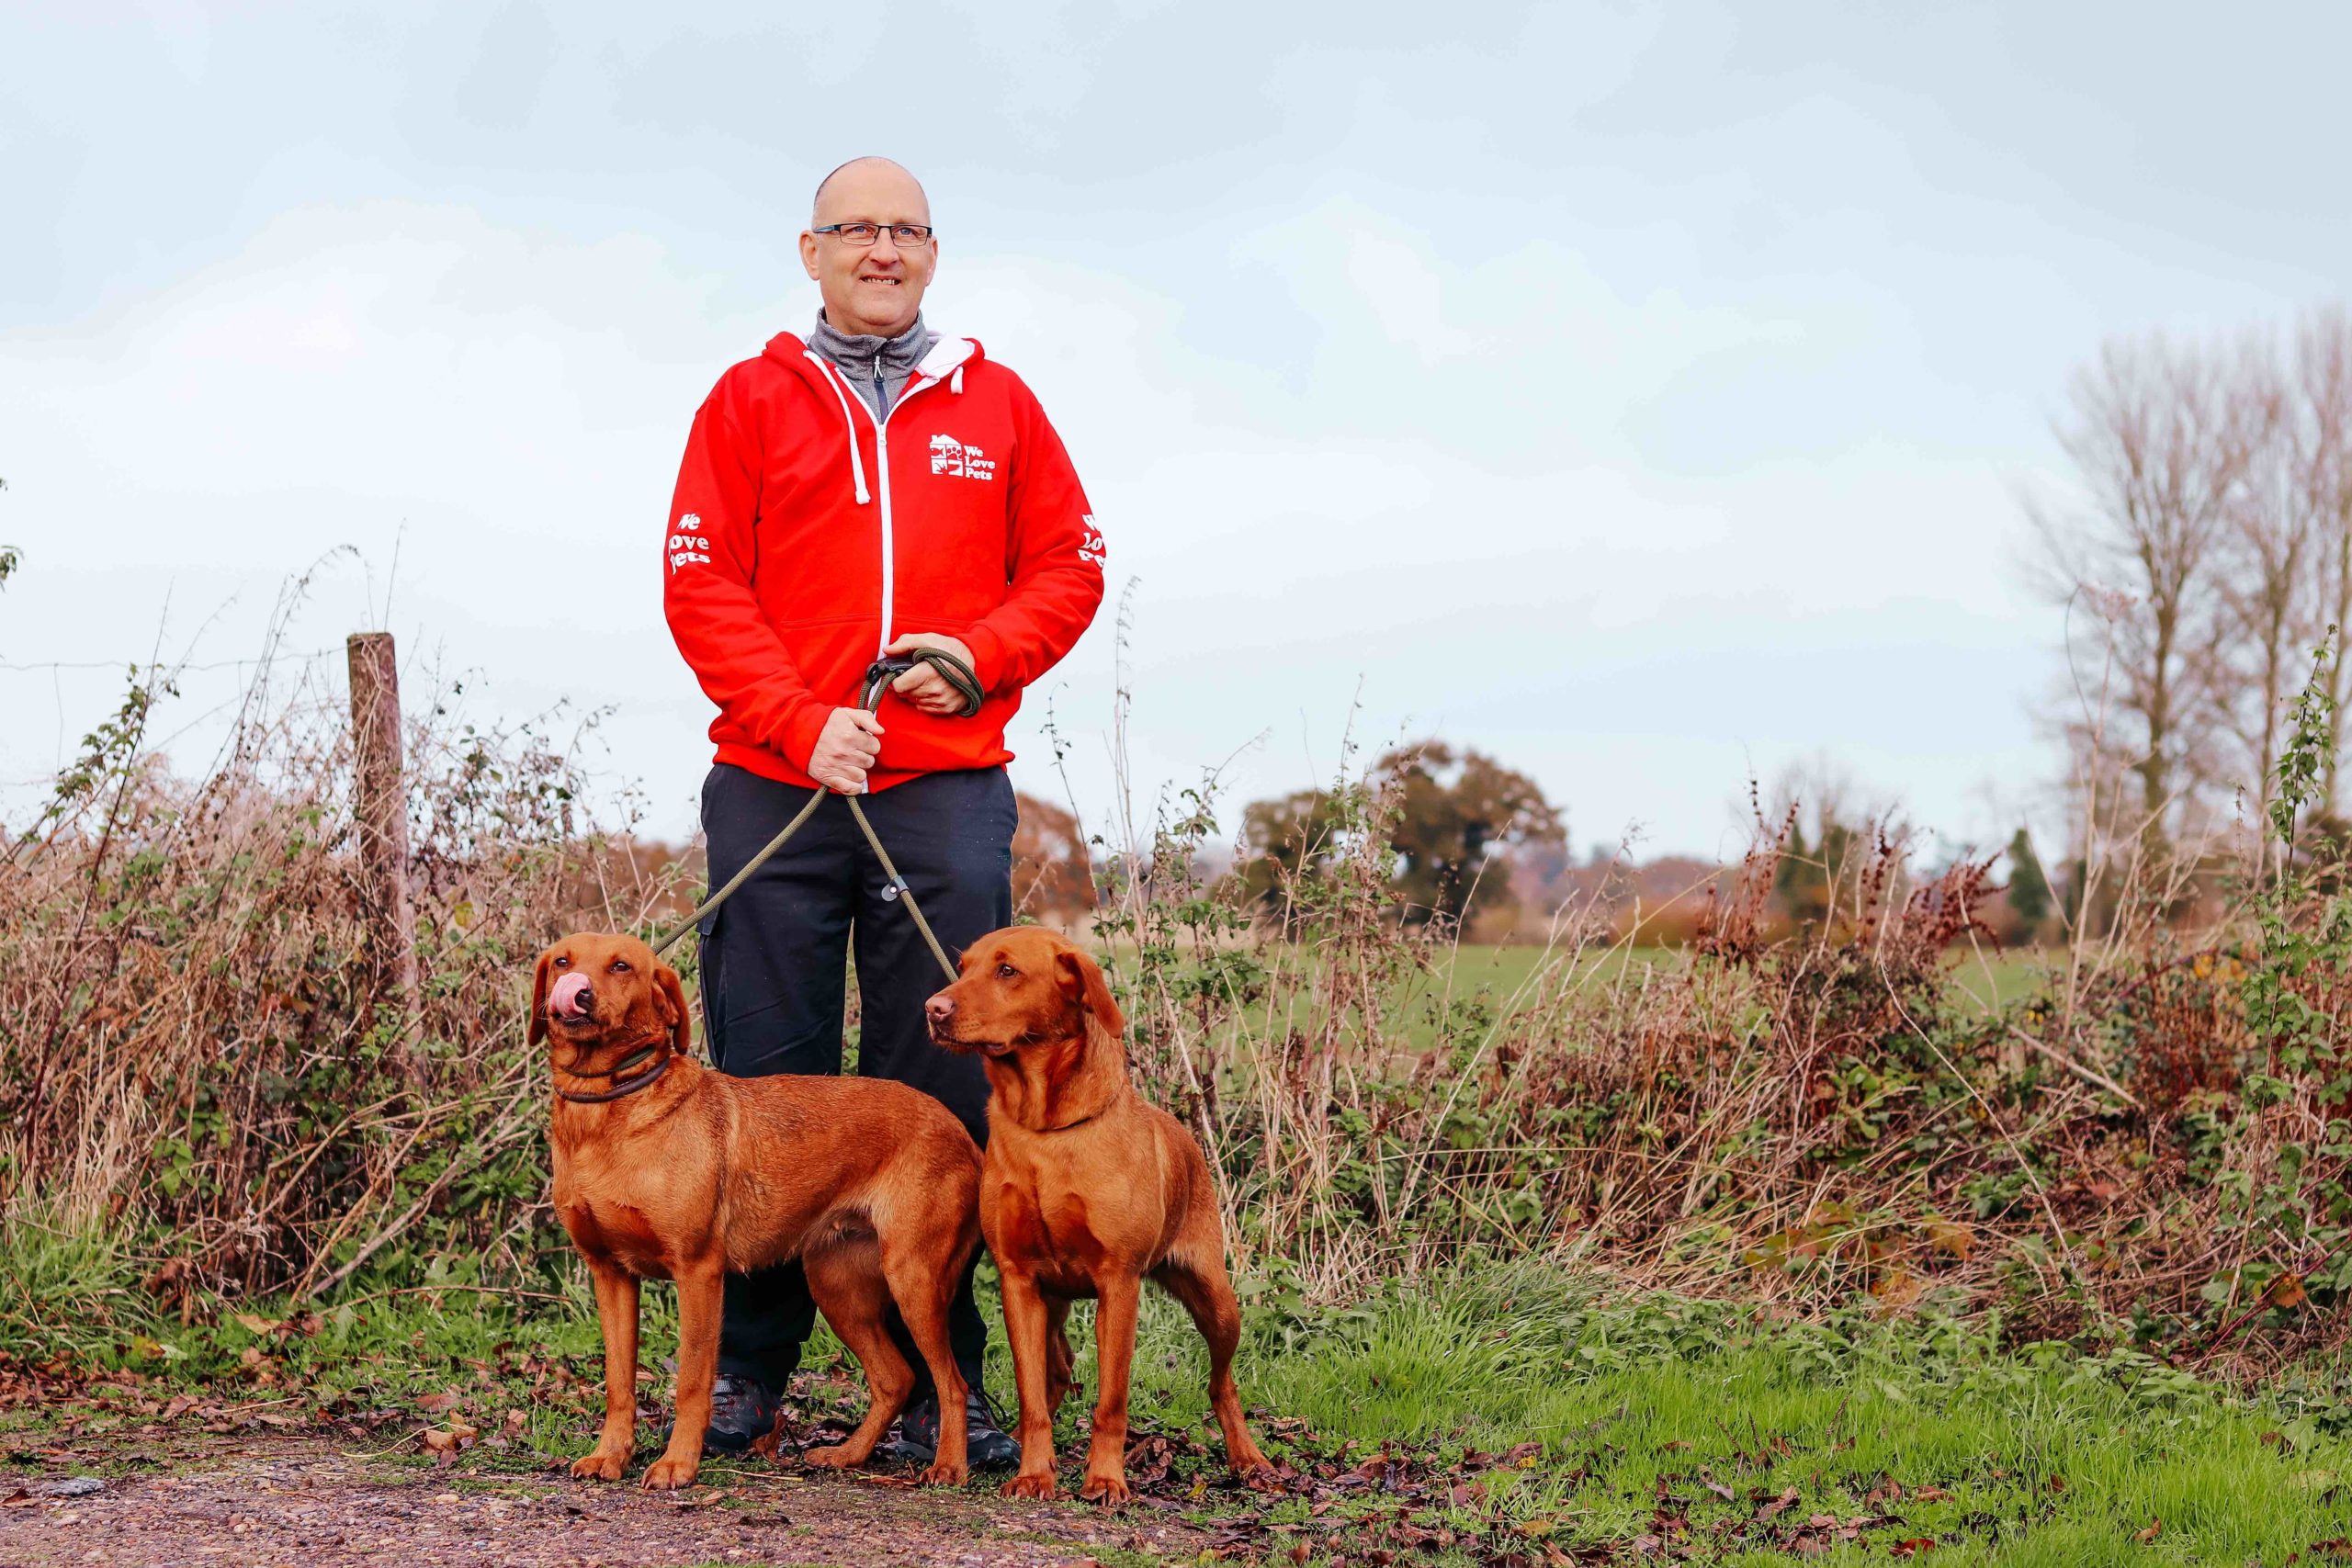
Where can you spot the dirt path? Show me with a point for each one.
(308, 1502)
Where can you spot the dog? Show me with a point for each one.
(1085, 1191)
(667, 1170)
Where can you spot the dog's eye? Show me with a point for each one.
(620, 966)
(563, 963)
(1007, 972)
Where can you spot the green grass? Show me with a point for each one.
(2046, 1458)
(1654, 1416)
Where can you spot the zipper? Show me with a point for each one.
(882, 490)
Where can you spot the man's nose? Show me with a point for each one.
(940, 1009)
(883, 250)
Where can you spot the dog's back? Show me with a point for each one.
(806, 1152)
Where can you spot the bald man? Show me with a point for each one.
(873, 489)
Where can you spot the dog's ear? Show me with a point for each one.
(670, 1001)
(538, 1030)
(1082, 980)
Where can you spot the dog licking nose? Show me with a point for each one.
(569, 998)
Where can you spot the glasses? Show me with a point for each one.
(905, 236)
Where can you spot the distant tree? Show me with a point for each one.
(2159, 436)
(1053, 875)
(1288, 840)
(8, 555)
(1455, 814)
(2029, 885)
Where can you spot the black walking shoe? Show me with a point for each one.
(986, 1444)
(741, 1410)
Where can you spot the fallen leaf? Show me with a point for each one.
(2147, 1537)
(261, 1327)
(1912, 1547)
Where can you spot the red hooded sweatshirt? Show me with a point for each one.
(806, 537)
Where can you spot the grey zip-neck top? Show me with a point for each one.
(877, 366)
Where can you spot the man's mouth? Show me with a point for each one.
(879, 278)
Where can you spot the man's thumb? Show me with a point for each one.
(864, 720)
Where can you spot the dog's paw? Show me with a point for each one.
(599, 1466)
(1258, 1472)
(1111, 1491)
(945, 1474)
(835, 1457)
(1039, 1488)
(669, 1475)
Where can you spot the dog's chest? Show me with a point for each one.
(1047, 1228)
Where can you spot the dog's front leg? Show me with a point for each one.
(1024, 1332)
(617, 1317)
(700, 1291)
(1114, 1344)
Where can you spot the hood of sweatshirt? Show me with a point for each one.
(945, 361)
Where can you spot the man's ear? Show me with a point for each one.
(538, 1030)
(1082, 980)
(670, 1001)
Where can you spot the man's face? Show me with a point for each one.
(874, 288)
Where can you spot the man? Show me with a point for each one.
(873, 489)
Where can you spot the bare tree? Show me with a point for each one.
(2160, 446)
(2321, 393)
(2267, 587)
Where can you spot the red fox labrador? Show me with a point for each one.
(667, 1170)
(1086, 1190)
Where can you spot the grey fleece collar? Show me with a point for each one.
(877, 366)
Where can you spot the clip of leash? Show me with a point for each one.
(879, 677)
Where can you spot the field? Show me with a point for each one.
(1506, 1410)
(1839, 1240)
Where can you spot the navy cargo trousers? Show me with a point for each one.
(773, 970)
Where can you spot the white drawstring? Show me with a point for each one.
(856, 463)
(955, 382)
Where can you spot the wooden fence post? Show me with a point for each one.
(381, 813)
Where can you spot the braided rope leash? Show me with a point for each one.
(879, 677)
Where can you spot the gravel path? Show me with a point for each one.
(304, 1501)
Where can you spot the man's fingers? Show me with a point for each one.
(864, 720)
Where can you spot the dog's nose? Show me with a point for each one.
(571, 995)
(940, 1009)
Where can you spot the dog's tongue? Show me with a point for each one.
(564, 996)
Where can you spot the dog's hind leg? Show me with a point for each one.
(845, 1279)
(1200, 1284)
(1061, 1369)
(922, 1287)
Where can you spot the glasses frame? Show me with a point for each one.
(923, 234)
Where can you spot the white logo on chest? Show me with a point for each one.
(951, 456)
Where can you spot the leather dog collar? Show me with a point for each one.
(643, 1081)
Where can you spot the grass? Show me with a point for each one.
(1696, 1424)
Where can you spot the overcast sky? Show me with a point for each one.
(1643, 398)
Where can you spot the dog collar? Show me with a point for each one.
(623, 1065)
(643, 1081)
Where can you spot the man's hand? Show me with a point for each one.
(846, 746)
(924, 686)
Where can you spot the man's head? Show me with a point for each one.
(871, 289)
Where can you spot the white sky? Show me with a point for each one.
(1644, 401)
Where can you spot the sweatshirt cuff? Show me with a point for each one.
(988, 655)
(800, 733)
